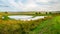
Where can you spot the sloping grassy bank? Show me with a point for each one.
(10, 26)
(50, 26)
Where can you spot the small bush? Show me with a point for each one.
(8, 26)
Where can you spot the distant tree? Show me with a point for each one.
(46, 13)
(36, 13)
(39, 13)
(6, 12)
(50, 13)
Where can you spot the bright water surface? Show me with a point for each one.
(25, 17)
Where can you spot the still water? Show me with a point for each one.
(25, 17)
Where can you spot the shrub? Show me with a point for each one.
(5, 17)
(8, 26)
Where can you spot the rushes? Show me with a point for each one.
(10, 26)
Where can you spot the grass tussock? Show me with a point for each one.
(11, 26)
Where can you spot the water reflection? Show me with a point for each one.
(23, 17)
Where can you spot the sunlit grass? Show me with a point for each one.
(48, 25)
(9, 26)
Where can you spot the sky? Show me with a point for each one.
(29, 5)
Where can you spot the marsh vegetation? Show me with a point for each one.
(46, 25)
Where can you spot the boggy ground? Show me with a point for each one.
(12, 26)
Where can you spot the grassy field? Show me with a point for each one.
(30, 13)
(48, 25)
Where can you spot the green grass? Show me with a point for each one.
(40, 26)
(50, 26)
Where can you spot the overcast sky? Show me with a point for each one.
(29, 5)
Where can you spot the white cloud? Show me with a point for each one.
(17, 5)
(43, 1)
(31, 5)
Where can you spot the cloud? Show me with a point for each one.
(30, 5)
(14, 4)
(43, 1)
